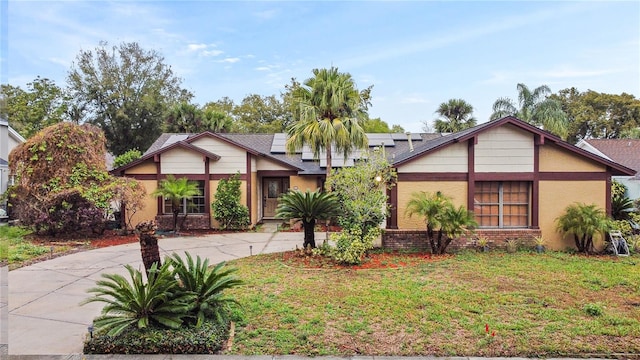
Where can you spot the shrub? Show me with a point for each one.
(593, 309)
(209, 338)
(226, 207)
(129, 156)
(352, 245)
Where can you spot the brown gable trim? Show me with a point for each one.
(432, 176)
(247, 149)
(226, 176)
(541, 137)
(574, 176)
(514, 176)
(248, 184)
(276, 173)
(156, 156)
(392, 195)
(188, 176)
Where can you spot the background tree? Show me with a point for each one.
(376, 125)
(455, 115)
(261, 114)
(328, 110)
(127, 157)
(29, 111)
(536, 108)
(126, 91)
(597, 115)
(62, 185)
(176, 190)
(307, 207)
(226, 207)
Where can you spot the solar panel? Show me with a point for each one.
(278, 144)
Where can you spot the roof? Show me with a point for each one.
(622, 151)
(399, 148)
(3, 162)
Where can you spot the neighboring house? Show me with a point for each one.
(622, 151)
(515, 177)
(9, 139)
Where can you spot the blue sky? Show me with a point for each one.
(416, 54)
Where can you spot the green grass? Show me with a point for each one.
(538, 305)
(15, 248)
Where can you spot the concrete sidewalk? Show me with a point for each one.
(44, 315)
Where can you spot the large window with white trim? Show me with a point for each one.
(502, 204)
(194, 205)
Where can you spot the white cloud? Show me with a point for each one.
(266, 14)
(230, 60)
(196, 47)
(212, 52)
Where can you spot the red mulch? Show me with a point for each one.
(373, 260)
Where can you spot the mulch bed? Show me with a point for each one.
(374, 260)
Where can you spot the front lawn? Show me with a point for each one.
(554, 304)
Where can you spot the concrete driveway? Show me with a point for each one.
(44, 315)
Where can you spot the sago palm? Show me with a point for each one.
(583, 221)
(208, 285)
(159, 301)
(328, 111)
(535, 108)
(308, 207)
(175, 190)
(455, 115)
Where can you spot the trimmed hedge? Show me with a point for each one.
(208, 339)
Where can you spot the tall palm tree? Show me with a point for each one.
(456, 115)
(175, 190)
(535, 108)
(583, 221)
(328, 111)
(308, 207)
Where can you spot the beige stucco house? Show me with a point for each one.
(516, 178)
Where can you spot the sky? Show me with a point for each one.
(416, 54)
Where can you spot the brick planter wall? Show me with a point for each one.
(192, 222)
(417, 239)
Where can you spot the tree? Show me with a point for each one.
(597, 115)
(176, 190)
(227, 209)
(455, 115)
(308, 207)
(378, 126)
(444, 221)
(62, 185)
(126, 91)
(328, 111)
(129, 156)
(129, 195)
(536, 108)
(261, 114)
(583, 221)
(41, 105)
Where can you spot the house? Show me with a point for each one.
(515, 177)
(622, 151)
(9, 139)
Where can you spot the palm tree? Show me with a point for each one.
(308, 207)
(535, 108)
(455, 116)
(208, 285)
(329, 111)
(442, 217)
(175, 190)
(583, 221)
(138, 304)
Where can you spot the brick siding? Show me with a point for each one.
(192, 222)
(417, 239)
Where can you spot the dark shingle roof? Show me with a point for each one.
(623, 151)
(3, 162)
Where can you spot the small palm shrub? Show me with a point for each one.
(158, 302)
(208, 285)
(583, 222)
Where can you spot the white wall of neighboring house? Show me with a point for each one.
(631, 182)
(9, 139)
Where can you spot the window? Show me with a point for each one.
(195, 205)
(502, 204)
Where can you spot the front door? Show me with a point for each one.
(272, 189)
